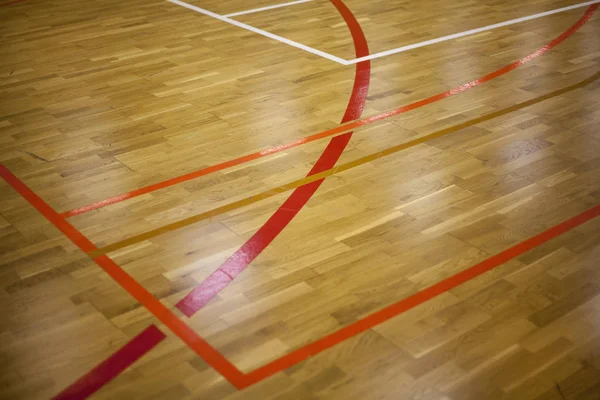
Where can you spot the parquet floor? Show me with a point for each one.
(421, 225)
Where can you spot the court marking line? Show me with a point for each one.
(242, 380)
(276, 149)
(261, 32)
(111, 367)
(133, 287)
(470, 32)
(215, 282)
(255, 10)
(284, 214)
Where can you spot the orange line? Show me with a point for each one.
(191, 338)
(66, 228)
(317, 177)
(205, 171)
(330, 132)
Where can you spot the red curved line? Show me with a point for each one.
(231, 268)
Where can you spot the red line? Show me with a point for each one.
(418, 298)
(69, 230)
(185, 333)
(113, 366)
(223, 276)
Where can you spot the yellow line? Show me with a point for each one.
(335, 170)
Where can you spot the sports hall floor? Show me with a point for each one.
(326, 199)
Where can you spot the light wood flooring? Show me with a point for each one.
(101, 98)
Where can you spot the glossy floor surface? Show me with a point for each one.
(326, 199)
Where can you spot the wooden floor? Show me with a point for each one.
(454, 254)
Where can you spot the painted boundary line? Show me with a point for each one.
(255, 10)
(207, 289)
(110, 368)
(339, 60)
(242, 380)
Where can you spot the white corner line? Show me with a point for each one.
(291, 3)
(263, 33)
(467, 33)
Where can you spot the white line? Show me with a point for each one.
(261, 32)
(467, 33)
(291, 3)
